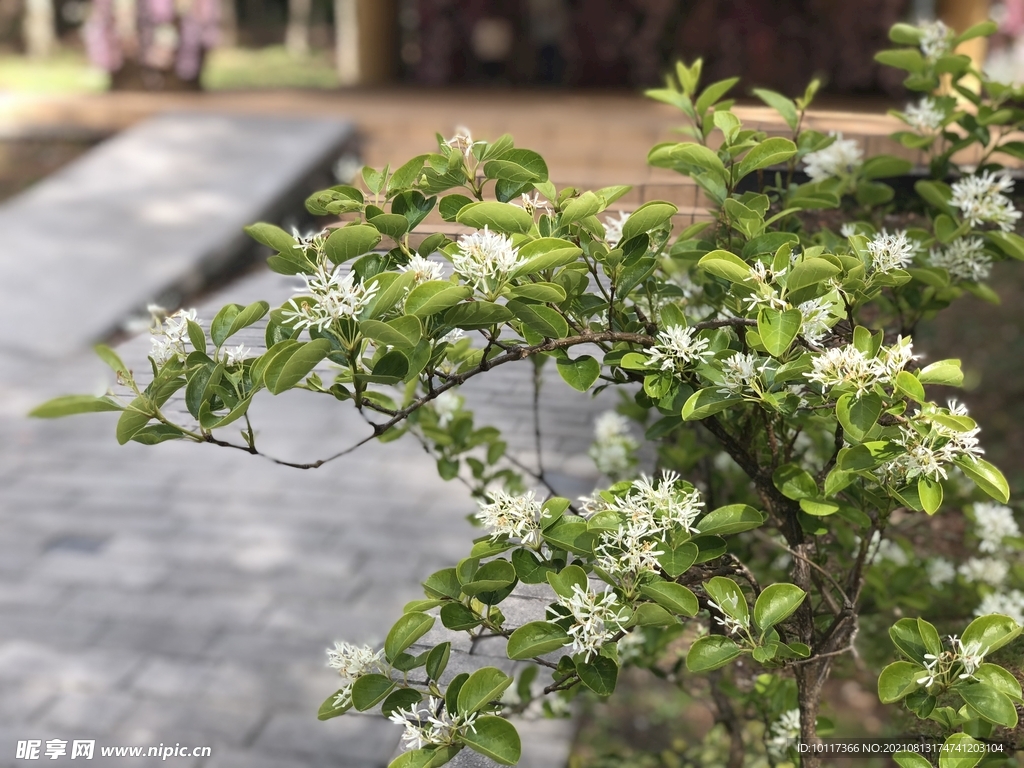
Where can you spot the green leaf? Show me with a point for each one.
(402, 333)
(818, 508)
(330, 710)
(930, 493)
(781, 104)
(69, 405)
(564, 581)
(944, 372)
(936, 193)
(734, 518)
(581, 373)
(435, 296)
(450, 206)
(443, 583)
(986, 476)
(546, 253)
(795, 482)
(898, 679)
(711, 652)
(494, 737)
(729, 596)
(910, 760)
(579, 208)
(885, 167)
(707, 402)
(543, 292)
(996, 677)
(961, 751)
(491, 577)
(347, 243)
(394, 225)
(540, 319)
(769, 152)
(133, 418)
(858, 415)
(535, 639)
(726, 265)
(810, 272)
(271, 236)
(500, 217)
(370, 690)
(908, 637)
(991, 704)
(713, 93)
(778, 329)
(473, 315)
(111, 358)
(676, 561)
(403, 698)
(991, 632)
(1009, 243)
(517, 165)
(910, 386)
(437, 660)
(406, 631)
(675, 597)
(294, 363)
(776, 604)
(981, 29)
(599, 674)
(483, 686)
(459, 618)
(647, 217)
(903, 58)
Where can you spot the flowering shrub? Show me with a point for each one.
(771, 365)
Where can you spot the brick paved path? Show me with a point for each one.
(186, 593)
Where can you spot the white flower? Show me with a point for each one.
(848, 229)
(533, 204)
(981, 200)
(628, 552)
(993, 523)
(964, 259)
(312, 240)
(783, 732)
(886, 551)
(429, 724)
(452, 336)
(677, 347)
(612, 450)
(1003, 603)
(925, 116)
(233, 357)
(515, 516)
(725, 619)
(936, 40)
(169, 336)
(840, 158)
(446, 405)
(763, 276)
(596, 619)
(613, 228)
(354, 661)
(984, 570)
(815, 324)
(486, 260)
(423, 269)
(336, 297)
(849, 367)
(660, 507)
(740, 372)
(931, 445)
(891, 252)
(940, 572)
(971, 655)
(462, 141)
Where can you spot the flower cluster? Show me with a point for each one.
(982, 200)
(840, 158)
(816, 314)
(885, 551)
(423, 269)
(596, 619)
(936, 40)
(659, 508)
(613, 447)
(984, 570)
(783, 733)
(940, 572)
(446, 405)
(740, 372)
(328, 297)
(850, 368)
(926, 116)
(960, 662)
(515, 516)
(1003, 603)
(993, 523)
(486, 260)
(169, 336)
(891, 252)
(613, 229)
(463, 142)
(931, 445)
(964, 258)
(429, 724)
(311, 243)
(233, 357)
(678, 347)
(763, 276)
(628, 552)
(533, 204)
(352, 662)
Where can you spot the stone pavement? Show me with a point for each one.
(185, 594)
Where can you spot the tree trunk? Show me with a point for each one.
(296, 36)
(39, 29)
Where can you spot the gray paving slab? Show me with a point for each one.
(157, 207)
